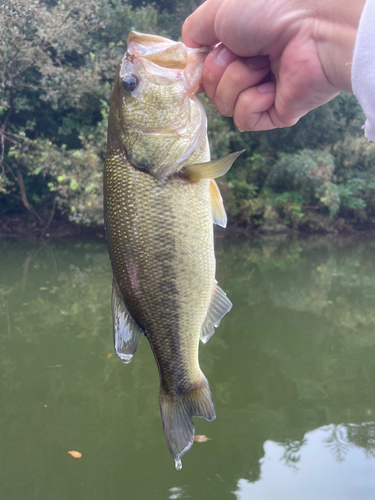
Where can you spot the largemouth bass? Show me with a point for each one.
(160, 203)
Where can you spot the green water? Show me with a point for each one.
(292, 371)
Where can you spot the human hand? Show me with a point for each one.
(304, 47)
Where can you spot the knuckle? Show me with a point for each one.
(287, 122)
(224, 111)
(242, 127)
(241, 121)
(223, 105)
(235, 74)
(208, 76)
(244, 102)
(244, 118)
(186, 25)
(283, 117)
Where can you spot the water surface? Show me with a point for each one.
(292, 371)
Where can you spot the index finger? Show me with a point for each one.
(199, 28)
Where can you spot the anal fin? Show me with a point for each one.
(218, 211)
(126, 332)
(219, 306)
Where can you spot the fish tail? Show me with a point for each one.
(177, 412)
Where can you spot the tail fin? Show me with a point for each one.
(176, 414)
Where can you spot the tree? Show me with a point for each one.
(57, 64)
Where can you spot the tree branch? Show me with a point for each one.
(51, 217)
(21, 185)
(46, 199)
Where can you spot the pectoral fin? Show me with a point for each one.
(126, 332)
(218, 211)
(211, 169)
(219, 306)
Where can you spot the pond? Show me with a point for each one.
(291, 368)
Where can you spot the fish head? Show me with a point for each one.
(154, 112)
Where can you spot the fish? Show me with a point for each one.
(160, 203)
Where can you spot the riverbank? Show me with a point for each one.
(25, 226)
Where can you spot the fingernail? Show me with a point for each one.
(224, 56)
(258, 62)
(267, 88)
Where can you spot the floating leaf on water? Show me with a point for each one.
(25, 304)
(200, 438)
(109, 355)
(43, 288)
(75, 454)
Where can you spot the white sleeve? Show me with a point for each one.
(363, 67)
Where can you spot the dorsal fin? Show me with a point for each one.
(211, 169)
(126, 332)
(219, 306)
(218, 211)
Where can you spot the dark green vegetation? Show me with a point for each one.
(57, 63)
(295, 354)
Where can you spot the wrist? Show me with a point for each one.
(335, 34)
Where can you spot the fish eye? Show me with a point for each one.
(130, 82)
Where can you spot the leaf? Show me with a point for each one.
(201, 438)
(43, 288)
(75, 454)
(109, 356)
(74, 185)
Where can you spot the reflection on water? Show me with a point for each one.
(292, 370)
(316, 476)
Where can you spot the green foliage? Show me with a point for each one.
(315, 159)
(308, 173)
(349, 194)
(58, 62)
(57, 68)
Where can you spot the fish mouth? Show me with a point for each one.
(162, 51)
(166, 54)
